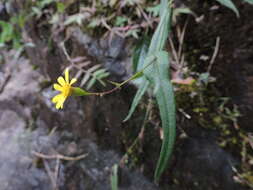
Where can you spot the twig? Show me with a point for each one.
(56, 170)
(174, 52)
(215, 53)
(144, 15)
(62, 45)
(181, 39)
(184, 113)
(136, 26)
(51, 176)
(111, 29)
(54, 176)
(177, 54)
(7, 77)
(119, 85)
(59, 156)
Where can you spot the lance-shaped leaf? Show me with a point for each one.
(158, 74)
(142, 89)
(114, 177)
(142, 82)
(166, 104)
(249, 1)
(229, 4)
(76, 91)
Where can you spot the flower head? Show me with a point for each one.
(65, 89)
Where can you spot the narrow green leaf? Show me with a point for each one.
(99, 72)
(160, 36)
(249, 1)
(76, 18)
(91, 82)
(101, 82)
(142, 82)
(154, 10)
(179, 11)
(139, 54)
(79, 92)
(114, 83)
(44, 3)
(229, 4)
(114, 177)
(158, 74)
(103, 75)
(163, 7)
(137, 75)
(141, 91)
(166, 103)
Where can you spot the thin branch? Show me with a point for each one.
(216, 50)
(56, 170)
(174, 52)
(51, 176)
(144, 15)
(181, 39)
(104, 23)
(59, 156)
(5, 81)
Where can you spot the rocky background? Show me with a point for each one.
(75, 148)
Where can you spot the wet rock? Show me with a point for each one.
(113, 53)
(95, 170)
(16, 161)
(23, 80)
(202, 164)
(30, 124)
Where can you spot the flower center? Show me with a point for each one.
(66, 90)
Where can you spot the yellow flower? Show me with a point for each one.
(65, 89)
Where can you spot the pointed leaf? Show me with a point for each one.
(114, 177)
(158, 74)
(229, 4)
(79, 92)
(142, 82)
(114, 83)
(141, 91)
(91, 83)
(166, 103)
(249, 1)
(160, 36)
(137, 75)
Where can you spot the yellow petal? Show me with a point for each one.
(56, 98)
(59, 104)
(61, 81)
(58, 87)
(67, 75)
(73, 81)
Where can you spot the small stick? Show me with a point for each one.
(215, 53)
(5, 81)
(51, 176)
(59, 156)
(111, 29)
(56, 170)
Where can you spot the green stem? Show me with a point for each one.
(81, 92)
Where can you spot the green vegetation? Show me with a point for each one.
(195, 98)
(230, 5)
(114, 177)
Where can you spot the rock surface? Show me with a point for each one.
(29, 124)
